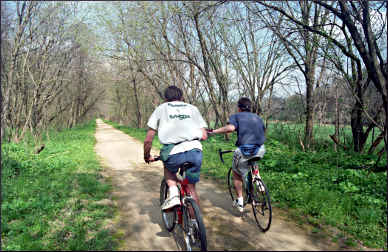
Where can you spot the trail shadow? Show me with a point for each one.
(225, 229)
(152, 181)
(149, 206)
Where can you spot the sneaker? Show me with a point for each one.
(260, 186)
(171, 202)
(239, 207)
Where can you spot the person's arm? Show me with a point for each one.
(197, 117)
(148, 145)
(231, 125)
(226, 129)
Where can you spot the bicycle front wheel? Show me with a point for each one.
(195, 231)
(169, 216)
(232, 190)
(261, 204)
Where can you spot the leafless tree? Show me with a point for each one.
(37, 68)
(302, 45)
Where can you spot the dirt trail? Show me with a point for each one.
(136, 192)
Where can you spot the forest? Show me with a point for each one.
(304, 62)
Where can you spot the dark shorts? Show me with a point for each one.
(194, 156)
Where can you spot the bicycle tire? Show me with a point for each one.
(200, 232)
(169, 218)
(261, 205)
(232, 190)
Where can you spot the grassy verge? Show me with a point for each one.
(291, 132)
(321, 186)
(55, 200)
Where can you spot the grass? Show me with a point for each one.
(323, 186)
(51, 200)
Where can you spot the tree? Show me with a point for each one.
(256, 55)
(302, 45)
(43, 39)
(367, 30)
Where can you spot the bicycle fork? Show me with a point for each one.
(180, 210)
(249, 180)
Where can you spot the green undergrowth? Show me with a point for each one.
(52, 200)
(291, 134)
(321, 186)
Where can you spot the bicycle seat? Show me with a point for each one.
(254, 159)
(184, 167)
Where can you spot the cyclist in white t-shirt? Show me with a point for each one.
(180, 126)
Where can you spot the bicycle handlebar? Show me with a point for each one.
(220, 152)
(156, 159)
(209, 130)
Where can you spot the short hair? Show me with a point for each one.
(244, 104)
(173, 93)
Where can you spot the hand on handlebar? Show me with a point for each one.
(210, 132)
(220, 152)
(152, 159)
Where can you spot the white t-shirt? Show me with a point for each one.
(178, 122)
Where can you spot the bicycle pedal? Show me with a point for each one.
(244, 215)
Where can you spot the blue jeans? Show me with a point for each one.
(193, 156)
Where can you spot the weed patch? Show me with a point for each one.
(47, 198)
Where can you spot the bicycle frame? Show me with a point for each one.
(184, 193)
(256, 192)
(249, 179)
(254, 171)
(195, 233)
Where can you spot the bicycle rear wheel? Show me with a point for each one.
(196, 232)
(169, 216)
(261, 205)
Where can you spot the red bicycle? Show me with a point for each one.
(194, 232)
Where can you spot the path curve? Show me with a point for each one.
(136, 193)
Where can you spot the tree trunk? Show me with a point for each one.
(138, 114)
(356, 120)
(308, 136)
(337, 119)
(268, 107)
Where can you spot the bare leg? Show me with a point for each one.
(193, 192)
(170, 177)
(238, 183)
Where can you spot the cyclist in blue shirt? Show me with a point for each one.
(250, 143)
